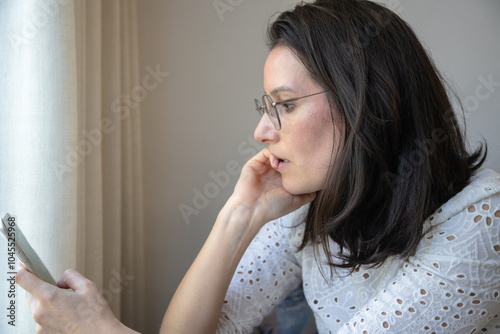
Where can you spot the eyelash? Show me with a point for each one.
(286, 107)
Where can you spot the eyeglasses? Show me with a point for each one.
(274, 109)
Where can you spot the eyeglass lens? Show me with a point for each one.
(271, 111)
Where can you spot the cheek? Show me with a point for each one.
(313, 152)
(317, 140)
(312, 141)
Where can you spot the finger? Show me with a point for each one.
(262, 156)
(31, 283)
(20, 265)
(32, 301)
(72, 279)
(39, 329)
(260, 162)
(63, 283)
(265, 152)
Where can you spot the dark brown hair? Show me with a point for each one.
(403, 153)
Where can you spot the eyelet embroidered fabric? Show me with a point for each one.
(451, 284)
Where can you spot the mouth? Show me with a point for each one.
(278, 163)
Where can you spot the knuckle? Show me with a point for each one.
(39, 317)
(49, 296)
(89, 285)
(70, 271)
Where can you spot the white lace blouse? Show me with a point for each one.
(451, 284)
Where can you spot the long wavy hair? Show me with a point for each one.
(403, 152)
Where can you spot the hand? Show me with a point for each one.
(75, 306)
(259, 189)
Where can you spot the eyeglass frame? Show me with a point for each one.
(262, 109)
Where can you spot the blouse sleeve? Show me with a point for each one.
(451, 284)
(266, 274)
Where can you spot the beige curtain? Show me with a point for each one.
(70, 164)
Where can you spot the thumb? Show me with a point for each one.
(72, 279)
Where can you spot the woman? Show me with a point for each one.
(374, 205)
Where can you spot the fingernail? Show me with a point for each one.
(19, 266)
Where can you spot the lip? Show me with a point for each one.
(277, 162)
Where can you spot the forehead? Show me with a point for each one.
(284, 72)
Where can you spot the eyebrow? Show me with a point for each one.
(281, 89)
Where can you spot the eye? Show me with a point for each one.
(285, 107)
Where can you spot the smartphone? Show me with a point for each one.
(23, 249)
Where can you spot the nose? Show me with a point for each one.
(265, 132)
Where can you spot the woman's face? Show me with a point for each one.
(301, 151)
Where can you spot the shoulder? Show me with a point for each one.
(484, 187)
(463, 236)
(477, 202)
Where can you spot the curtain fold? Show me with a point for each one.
(70, 164)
